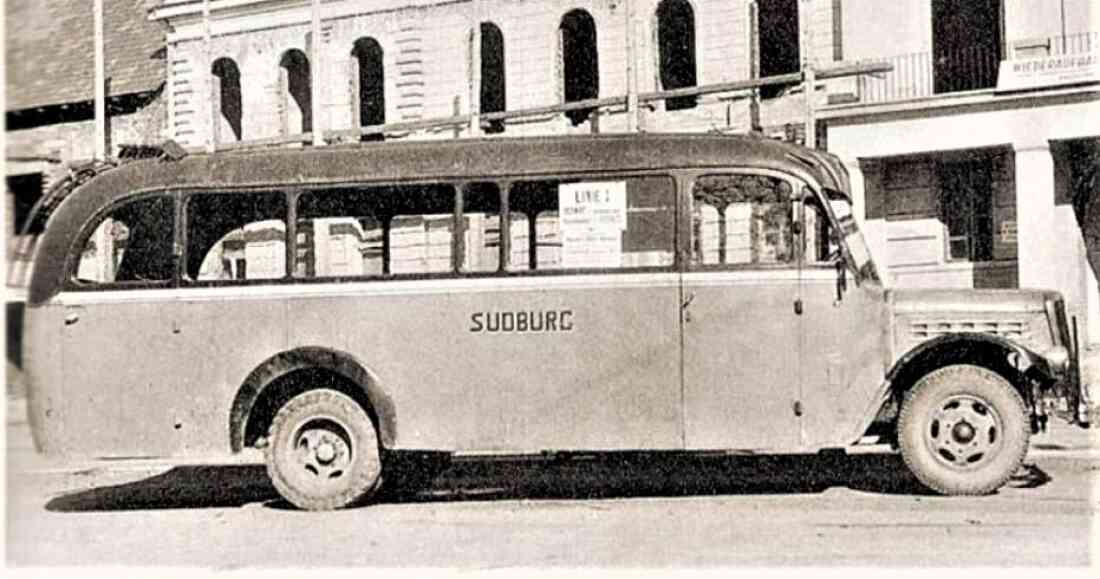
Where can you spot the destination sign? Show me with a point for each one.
(592, 218)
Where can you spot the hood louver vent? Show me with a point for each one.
(1016, 330)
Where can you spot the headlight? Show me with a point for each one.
(1058, 359)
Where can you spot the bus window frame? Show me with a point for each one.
(830, 231)
(674, 177)
(679, 180)
(182, 214)
(504, 185)
(691, 179)
(457, 185)
(76, 251)
(458, 247)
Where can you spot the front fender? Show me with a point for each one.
(947, 347)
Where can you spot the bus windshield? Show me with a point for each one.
(853, 238)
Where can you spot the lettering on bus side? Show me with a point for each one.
(521, 322)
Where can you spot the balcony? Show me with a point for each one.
(924, 74)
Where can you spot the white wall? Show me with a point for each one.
(1027, 19)
(878, 28)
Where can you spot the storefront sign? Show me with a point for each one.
(592, 218)
(1048, 71)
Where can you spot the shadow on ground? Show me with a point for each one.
(429, 479)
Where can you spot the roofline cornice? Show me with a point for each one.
(171, 9)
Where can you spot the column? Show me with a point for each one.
(318, 76)
(1050, 245)
(1035, 233)
(475, 69)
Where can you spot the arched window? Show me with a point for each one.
(779, 41)
(368, 85)
(226, 98)
(676, 45)
(295, 89)
(580, 61)
(492, 73)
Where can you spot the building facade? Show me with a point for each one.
(399, 61)
(966, 156)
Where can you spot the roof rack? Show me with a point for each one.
(84, 172)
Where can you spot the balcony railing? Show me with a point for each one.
(925, 74)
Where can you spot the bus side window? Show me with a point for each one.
(820, 244)
(371, 231)
(236, 236)
(741, 219)
(621, 223)
(421, 228)
(533, 226)
(132, 244)
(481, 215)
(339, 234)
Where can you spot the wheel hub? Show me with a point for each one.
(964, 431)
(324, 451)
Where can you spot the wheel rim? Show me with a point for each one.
(321, 455)
(964, 432)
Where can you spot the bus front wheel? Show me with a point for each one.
(323, 451)
(963, 430)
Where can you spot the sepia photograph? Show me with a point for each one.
(583, 286)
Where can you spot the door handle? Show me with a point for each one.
(72, 315)
(684, 307)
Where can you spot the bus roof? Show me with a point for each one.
(462, 158)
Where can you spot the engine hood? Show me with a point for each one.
(969, 300)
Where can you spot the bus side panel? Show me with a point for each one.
(42, 364)
(155, 376)
(600, 372)
(232, 337)
(114, 354)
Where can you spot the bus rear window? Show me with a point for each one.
(618, 223)
(133, 244)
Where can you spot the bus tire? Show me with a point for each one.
(323, 451)
(963, 430)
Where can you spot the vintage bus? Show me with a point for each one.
(335, 305)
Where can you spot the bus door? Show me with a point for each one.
(739, 326)
(843, 328)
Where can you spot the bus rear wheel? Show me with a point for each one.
(963, 430)
(323, 452)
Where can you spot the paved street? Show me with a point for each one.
(649, 511)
